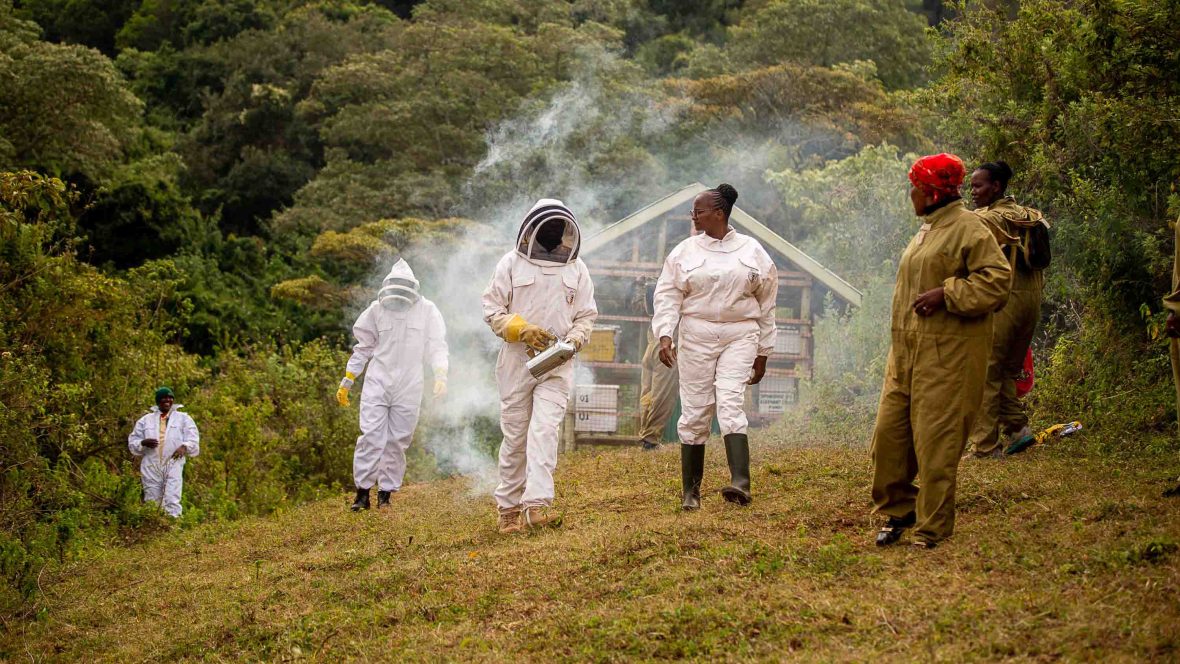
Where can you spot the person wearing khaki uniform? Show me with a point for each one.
(1172, 327)
(950, 279)
(1001, 411)
(658, 384)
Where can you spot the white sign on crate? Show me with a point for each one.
(600, 398)
(775, 394)
(789, 340)
(772, 403)
(597, 422)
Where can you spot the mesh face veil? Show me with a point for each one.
(544, 211)
(399, 290)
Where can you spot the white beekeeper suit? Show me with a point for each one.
(395, 335)
(162, 475)
(722, 293)
(539, 292)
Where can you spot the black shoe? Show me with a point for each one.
(362, 500)
(648, 446)
(737, 453)
(892, 530)
(692, 469)
(383, 498)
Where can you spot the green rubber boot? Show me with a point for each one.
(737, 453)
(692, 469)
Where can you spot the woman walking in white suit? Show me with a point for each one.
(720, 287)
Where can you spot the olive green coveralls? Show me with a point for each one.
(1172, 303)
(936, 368)
(1001, 411)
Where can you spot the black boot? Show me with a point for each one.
(383, 498)
(737, 453)
(692, 469)
(891, 531)
(362, 500)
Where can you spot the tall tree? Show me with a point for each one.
(64, 109)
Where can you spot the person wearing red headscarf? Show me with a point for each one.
(950, 279)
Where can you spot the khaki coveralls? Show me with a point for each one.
(1172, 303)
(1001, 411)
(937, 367)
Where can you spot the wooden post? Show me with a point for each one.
(805, 316)
(568, 438)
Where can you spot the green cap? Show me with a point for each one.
(164, 392)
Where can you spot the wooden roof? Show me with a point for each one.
(739, 219)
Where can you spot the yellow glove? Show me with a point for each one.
(519, 329)
(440, 384)
(345, 386)
(536, 338)
(576, 342)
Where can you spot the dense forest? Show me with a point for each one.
(201, 192)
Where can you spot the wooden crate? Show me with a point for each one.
(602, 346)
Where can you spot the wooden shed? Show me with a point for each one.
(631, 252)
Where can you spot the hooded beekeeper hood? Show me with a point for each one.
(549, 234)
(399, 290)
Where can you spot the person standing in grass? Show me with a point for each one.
(163, 439)
(658, 384)
(719, 288)
(1013, 326)
(1172, 326)
(950, 279)
(395, 335)
(540, 292)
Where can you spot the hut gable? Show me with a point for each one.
(779, 248)
(625, 259)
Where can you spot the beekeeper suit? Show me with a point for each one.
(721, 291)
(395, 335)
(951, 278)
(163, 439)
(540, 292)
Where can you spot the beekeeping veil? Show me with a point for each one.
(549, 234)
(399, 291)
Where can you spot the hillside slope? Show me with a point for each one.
(1058, 554)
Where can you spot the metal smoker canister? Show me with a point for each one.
(551, 358)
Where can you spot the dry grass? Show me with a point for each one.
(1059, 555)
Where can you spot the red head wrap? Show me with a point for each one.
(939, 175)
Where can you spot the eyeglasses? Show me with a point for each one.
(697, 213)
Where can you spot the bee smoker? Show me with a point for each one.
(551, 358)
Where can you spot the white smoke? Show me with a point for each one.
(603, 144)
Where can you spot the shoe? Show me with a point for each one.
(509, 522)
(1020, 441)
(692, 469)
(892, 530)
(648, 445)
(383, 498)
(737, 453)
(997, 453)
(362, 500)
(923, 544)
(540, 516)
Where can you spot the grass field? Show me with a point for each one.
(1060, 554)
